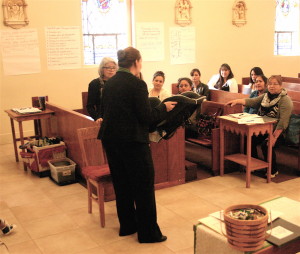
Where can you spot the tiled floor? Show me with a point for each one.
(54, 219)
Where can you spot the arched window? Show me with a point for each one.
(287, 26)
(106, 26)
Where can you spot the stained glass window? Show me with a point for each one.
(287, 28)
(105, 26)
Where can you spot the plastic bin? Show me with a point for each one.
(62, 171)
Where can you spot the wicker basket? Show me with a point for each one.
(246, 235)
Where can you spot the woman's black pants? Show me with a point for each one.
(132, 172)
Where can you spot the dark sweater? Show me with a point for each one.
(94, 98)
(126, 110)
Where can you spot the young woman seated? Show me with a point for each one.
(224, 80)
(254, 72)
(158, 90)
(184, 85)
(260, 87)
(198, 87)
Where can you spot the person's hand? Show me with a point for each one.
(231, 103)
(170, 105)
(99, 121)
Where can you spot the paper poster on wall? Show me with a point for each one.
(182, 45)
(20, 51)
(150, 41)
(63, 47)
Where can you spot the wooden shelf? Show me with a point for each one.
(242, 160)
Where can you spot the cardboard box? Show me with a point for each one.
(37, 159)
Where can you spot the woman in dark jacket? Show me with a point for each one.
(106, 70)
(125, 136)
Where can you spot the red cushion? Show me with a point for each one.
(96, 172)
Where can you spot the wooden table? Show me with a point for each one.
(210, 239)
(228, 123)
(46, 114)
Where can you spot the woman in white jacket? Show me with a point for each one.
(224, 81)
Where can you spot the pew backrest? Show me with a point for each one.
(224, 97)
(175, 89)
(84, 96)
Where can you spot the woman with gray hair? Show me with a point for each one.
(107, 69)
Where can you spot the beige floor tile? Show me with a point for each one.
(68, 242)
(228, 198)
(168, 218)
(14, 187)
(97, 250)
(54, 219)
(89, 220)
(203, 187)
(186, 251)
(23, 198)
(19, 235)
(24, 248)
(3, 249)
(3, 205)
(49, 225)
(36, 210)
(193, 209)
(168, 195)
(131, 246)
(293, 194)
(56, 191)
(72, 201)
(291, 184)
(176, 241)
(103, 236)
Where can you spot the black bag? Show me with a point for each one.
(187, 103)
(205, 123)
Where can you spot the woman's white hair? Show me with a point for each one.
(104, 61)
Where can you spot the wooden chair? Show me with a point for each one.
(95, 172)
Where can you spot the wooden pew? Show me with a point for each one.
(224, 97)
(209, 147)
(290, 83)
(174, 88)
(168, 155)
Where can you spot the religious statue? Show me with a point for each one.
(239, 13)
(14, 13)
(183, 12)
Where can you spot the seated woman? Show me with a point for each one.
(277, 104)
(185, 85)
(158, 90)
(198, 87)
(225, 81)
(260, 87)
(254, 72)
(107, 69)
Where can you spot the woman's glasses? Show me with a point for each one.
(110, 68)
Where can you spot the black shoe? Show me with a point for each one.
(8, 229)
(158, 240)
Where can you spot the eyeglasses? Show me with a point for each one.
(110, 68)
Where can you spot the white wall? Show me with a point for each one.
(217, 42)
